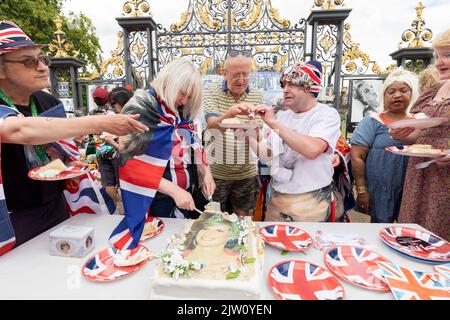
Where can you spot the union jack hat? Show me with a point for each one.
(307, 75)
(13, 38)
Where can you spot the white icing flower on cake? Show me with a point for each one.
(233, 267)
(197, 265)
(233, 217)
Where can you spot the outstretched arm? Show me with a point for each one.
(41, 130)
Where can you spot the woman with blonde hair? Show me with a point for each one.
(379, 174)
(428, 78)
(425, 200)
(159, 169)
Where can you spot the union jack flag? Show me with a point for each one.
(140, 177)
(286, 237)
(300, 280)
(407, 284)
(357, 266)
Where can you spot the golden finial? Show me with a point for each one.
(60, 47)
(327, 4)
(137, 8)
(417, 35)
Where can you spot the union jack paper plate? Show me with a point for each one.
(357, 266)
(101, 267)
(407, 284)
(416, 123)
(400, 150)
(286, 237)
(71, 172)
(153, 227)
(301, 280)
(416, 243)
(443, 269)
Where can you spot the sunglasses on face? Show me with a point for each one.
(32, 62)
(236, 52)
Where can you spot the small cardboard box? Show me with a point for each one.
(71, 241)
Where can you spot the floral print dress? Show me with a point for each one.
(426, 193)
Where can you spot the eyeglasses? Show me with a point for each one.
(32, 62)
(237, 52)
(237, 76)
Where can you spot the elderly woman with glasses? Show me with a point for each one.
(35, 206)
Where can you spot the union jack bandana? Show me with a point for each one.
(306, 75)
(12, 38)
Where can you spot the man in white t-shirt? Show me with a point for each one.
(300, 149)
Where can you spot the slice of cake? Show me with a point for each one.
(219, 256)
(232, 121)
(52, 169)
(423, 148)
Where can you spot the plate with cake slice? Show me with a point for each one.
(153, 226)
(237, 123)
(286, 237)
(56, 170)
(112, 264)
(418, 150)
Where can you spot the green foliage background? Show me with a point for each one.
(35, 17)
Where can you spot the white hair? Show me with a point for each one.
(180, 75)
(405, 76)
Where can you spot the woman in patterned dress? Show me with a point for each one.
(426, 191)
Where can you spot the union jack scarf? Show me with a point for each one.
(83, 194)
(140, 177)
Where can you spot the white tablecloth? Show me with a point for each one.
(30, 272)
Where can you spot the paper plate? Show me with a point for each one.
(101, 268)
(416, 123)
(154, 227)
(286, 237)
(406, 284)
(399, 150)
(443, 269)
(357, 266)
(71, 172)
(301, 280)
(416, 243)
(238, 125)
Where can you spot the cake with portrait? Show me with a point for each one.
(218, 256)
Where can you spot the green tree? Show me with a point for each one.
(36, 18)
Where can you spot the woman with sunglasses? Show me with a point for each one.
(35, 206)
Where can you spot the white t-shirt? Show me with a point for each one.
(293, 173)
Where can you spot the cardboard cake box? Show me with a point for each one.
(71, 241)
